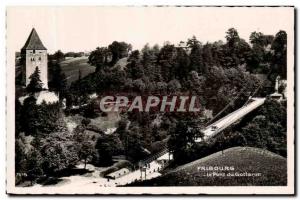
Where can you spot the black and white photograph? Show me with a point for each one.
(150, 100)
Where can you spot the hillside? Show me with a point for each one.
(243, 159)
(72, 66)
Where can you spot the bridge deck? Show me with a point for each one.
(229, 119)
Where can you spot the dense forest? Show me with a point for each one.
(215, 72)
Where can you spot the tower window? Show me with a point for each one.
(40, 59)
(33, 50)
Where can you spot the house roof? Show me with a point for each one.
(34, 42)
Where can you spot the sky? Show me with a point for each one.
(85, 28)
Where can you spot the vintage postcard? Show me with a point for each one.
(150, 100)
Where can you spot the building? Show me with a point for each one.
(34, 55)
(119, 173)
(279, 95)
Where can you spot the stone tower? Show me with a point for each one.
(34, 55)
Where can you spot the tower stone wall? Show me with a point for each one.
(35, 55)
(37, 58)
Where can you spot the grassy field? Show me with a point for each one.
(71, 67)
(100, 123)
(272, 169)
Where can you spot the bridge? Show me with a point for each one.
(150, 167)
(218, 126)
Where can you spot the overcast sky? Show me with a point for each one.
(85, 28)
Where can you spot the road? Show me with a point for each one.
(149, 171)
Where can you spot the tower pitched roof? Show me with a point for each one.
(34, 42)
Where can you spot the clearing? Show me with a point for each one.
(72, 66)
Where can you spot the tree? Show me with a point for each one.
(274, 112)
(149, 55)
(85, 145)
(196, 55)
(39, 119)
(20, 154)
(134, 68)
(99, 57)
(236, 139)
(268, 128)
(279, 60)
(133, 142)
(79, 75)
(260, 56)
(149, 62)
(217, 53)
(86, 151)
(34, 165)
(18, 117)
(196, 83)
(29, 114)
(174, 86)
(258, 38)
(208, 60)
(182, 139)
(59, 81)
(58, 56)
(181, 66)
(139, 85)
(135, 55)
(193, 42)
(58, 151)
(161, 87)
(235, 50)
(232, 37)
(119, 50)
(28, 159)
(35, 84)
(167, 59)
(107, 146)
